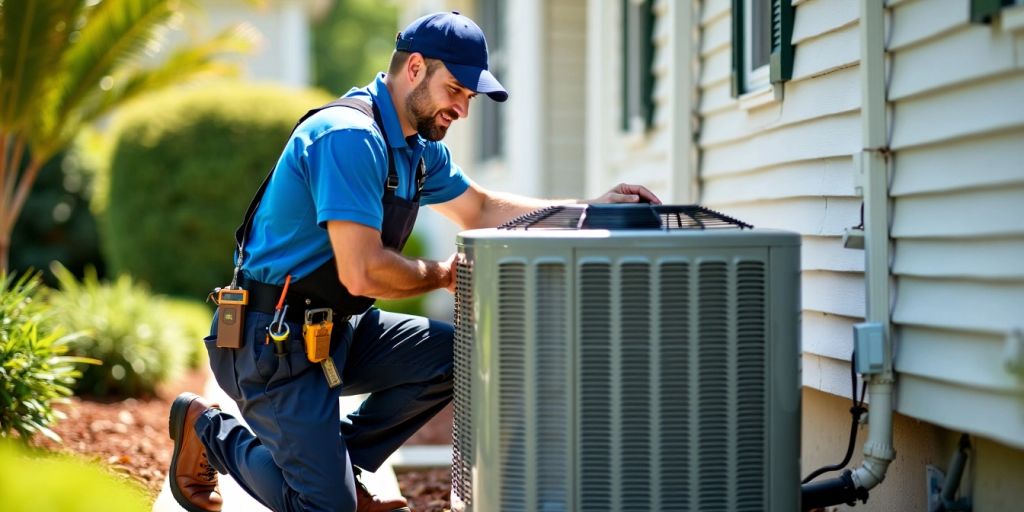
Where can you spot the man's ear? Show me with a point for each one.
(415, 68)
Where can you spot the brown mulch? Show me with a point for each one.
(130, 438)
(428, 490)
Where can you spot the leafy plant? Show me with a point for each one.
(34, 372)
(123, 325)
(67, 63)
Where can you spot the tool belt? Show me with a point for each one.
(263, 297)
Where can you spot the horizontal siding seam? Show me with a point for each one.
(730, 174)
(930, 38)
(995, 130)
(830, 30)
(763, 130)
(779, 199)
(965, 83)
(998, 390)
(826, 71)
(996, 186)
(704, 22)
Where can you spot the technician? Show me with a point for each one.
(321, 240)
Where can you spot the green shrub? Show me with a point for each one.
(29, 482)
(123, 325)
(183, 168)
(193, 318)
(34, 373)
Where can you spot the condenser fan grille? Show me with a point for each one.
(625, 217)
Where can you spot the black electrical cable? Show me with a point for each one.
(856, 411)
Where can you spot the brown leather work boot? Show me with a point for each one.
(192, 479)
(367, 502)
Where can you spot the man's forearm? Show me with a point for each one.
(389, 275)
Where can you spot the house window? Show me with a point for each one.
(757, 48)
(982, 11)
(637, 65)
(492, 121)
(762, 52)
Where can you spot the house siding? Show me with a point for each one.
(789, 165)
(565, 108)
(957, 138)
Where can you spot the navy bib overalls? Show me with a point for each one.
(300, 451)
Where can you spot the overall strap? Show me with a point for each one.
(366, 109)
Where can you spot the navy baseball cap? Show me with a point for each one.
(458, 42)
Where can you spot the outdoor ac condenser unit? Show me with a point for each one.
(627, 357)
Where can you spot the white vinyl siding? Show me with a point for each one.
(958, 216)
(789, 165)
(644, 157)
(565, 115)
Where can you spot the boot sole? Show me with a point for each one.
(175, 428)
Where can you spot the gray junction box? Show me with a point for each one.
(611, 365)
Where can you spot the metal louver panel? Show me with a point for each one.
(511, 384)
(595, 374)
(674, 393)
(635, 359)
(713, 387)
(751, 378)
(462, 428)
(552, 395)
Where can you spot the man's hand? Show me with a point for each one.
(451, 264)
(626, 193)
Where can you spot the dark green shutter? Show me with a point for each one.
(781, 68)
(647, 84)
(982, 11)
(737, 48)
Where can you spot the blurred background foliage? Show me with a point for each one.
(179, 182)
(352, 42)
(124, 326)
(140, 211)
(34, 481)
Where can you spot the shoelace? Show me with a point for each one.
(207, 472)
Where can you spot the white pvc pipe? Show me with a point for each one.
(878, 450)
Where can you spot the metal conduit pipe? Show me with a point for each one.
(854, 484)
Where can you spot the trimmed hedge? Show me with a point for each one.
(183, 168)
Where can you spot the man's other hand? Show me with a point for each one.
(626, 193)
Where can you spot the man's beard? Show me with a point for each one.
(424, 114)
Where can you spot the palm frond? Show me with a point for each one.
(116, 32)
(197, 61)
(34, 36)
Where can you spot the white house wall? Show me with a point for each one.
(957, 98)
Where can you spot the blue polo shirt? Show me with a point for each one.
(334, 167)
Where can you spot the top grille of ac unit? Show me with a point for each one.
(646, 368)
